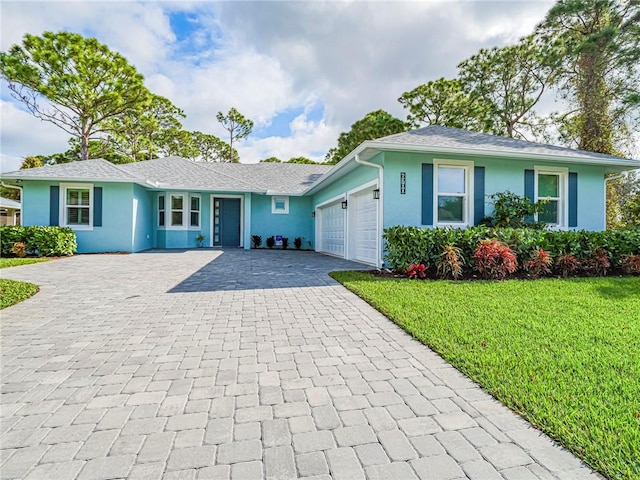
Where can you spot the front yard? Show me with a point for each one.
(12, 291)
(565, 354)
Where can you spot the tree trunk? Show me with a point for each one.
(595, 130)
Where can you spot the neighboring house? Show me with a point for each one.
(433, 176)
(9, 212)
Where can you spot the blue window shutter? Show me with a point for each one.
(573, 199)
(478, 195)
(427, 194)
(529, 189)
(97, 206)
(54, 206)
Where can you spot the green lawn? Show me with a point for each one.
(565, 354)
(12, 291)
(15, 262)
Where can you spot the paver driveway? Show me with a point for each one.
(242, 364)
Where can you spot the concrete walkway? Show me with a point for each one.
(243, 365)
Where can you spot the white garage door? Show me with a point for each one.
(332, 229)
(365, 228)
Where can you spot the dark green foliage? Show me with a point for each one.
(511, 210)
(39, 241)
(407, 245)
(86, 83)
(256, 240)
(297, 242)
(373, 125)
(285, 242)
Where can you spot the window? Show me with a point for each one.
(194, 210)
(77, 206)
(452, 186)
(184, 211)
(177, 210)
(551, 186)
(161, 210)
(279, 204)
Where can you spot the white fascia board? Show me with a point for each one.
(71, 179)
(338, 166)
(278, 193)
(621, 162)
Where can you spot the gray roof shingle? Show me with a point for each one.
(181, 173)
(273, 177)
(8, 203)
(178, 172)
(455, 138)
(97, 169)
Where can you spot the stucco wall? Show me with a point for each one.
(297, 223)
(500, 175)
(115, 234)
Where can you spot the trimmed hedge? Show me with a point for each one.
(414, 245)
(39, 241)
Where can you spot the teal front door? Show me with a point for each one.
(226, 222)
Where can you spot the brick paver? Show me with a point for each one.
(238, 364)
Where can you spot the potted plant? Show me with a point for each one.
(297, 242)
(200, 239)
(285, 243)
(271, 241)
(256, 240)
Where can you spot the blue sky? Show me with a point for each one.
(302, 71)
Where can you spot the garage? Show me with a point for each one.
(331, 232)
(350, 232)
(363, 227)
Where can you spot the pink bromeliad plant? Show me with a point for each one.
(416, 270)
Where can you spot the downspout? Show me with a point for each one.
(379, 262)
(20, 190)
(606, 181)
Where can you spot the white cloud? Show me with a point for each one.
(22, 135)
(268, 58)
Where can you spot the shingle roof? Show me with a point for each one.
(97, 169)
(273, 177)
(8, 203)
(455, 138)
(181, 173)
(178, 172)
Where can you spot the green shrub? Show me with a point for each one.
(511, 210)
(407, 245)
(39, 241)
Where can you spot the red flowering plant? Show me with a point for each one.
(539, 264)
(631, 264)
(494, 259)
(416, 270)
(567, 265)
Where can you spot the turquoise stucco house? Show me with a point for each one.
(433, 176)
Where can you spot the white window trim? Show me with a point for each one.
(469, 206)
(199, 197)
(168, 220)
(563, 202)
(286, 205)
(161, 210)
(63, 205)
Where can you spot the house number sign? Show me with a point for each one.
(403, 183)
